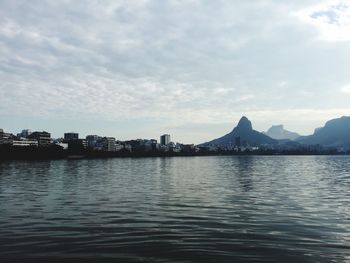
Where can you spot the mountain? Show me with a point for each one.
(279, 133)
(335, 133)
(242, 134)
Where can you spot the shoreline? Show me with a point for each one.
(138, 156)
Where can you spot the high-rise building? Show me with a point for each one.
(24, 133)
(165, 139)
(43, 138)
(70, 136)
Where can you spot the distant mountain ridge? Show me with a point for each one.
(279, 133)
(244, 131)
(335, 133)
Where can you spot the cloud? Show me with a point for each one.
(331, 18)
(345, 89)
(169, 63)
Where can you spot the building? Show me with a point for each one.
(109, 144)
(189, 148)
(94, 142)
(163, 148)
(154, 144)
(76, 145)
(69, 136)
(73, 141)
(126, 146)
(176, 148)
(43, 138)
(6, 138)
(25, 143)
(165, 139)
(119, 146)
(24, 133)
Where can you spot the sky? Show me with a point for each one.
(190, 68)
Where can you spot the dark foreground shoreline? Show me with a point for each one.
(56, 152)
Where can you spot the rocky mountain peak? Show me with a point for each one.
(244, 124)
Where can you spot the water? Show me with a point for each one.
(193, 209)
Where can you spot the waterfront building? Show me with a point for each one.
(119, 146)
(163, 148)
(43, 138)
(109, 144)
(155, 145)
(127, 147)
(76, 144)
(176, 148)
(144, 145)
(139, 145)
(25, 143)
(69, 136)
(24, 133)
(94, 142)
(165, 139)
(73, 141)
(6, 138)
(147, 145)
(189, 148)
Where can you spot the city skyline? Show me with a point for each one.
(187, 68)
(159, 135)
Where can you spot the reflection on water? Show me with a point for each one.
(195, 209)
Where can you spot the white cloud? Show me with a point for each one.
(330, 18)
(283, 84)
(178, 63)
(345, 89)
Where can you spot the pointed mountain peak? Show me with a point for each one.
(243, 133)
(244, 124)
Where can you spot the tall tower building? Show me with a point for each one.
(165, 139)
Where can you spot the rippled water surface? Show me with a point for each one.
(193, 209)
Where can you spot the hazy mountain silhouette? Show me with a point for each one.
(335, 133)
(279, 133)
(246, 134)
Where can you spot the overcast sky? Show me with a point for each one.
(191, 68)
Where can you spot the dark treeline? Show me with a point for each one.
(55, 152)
